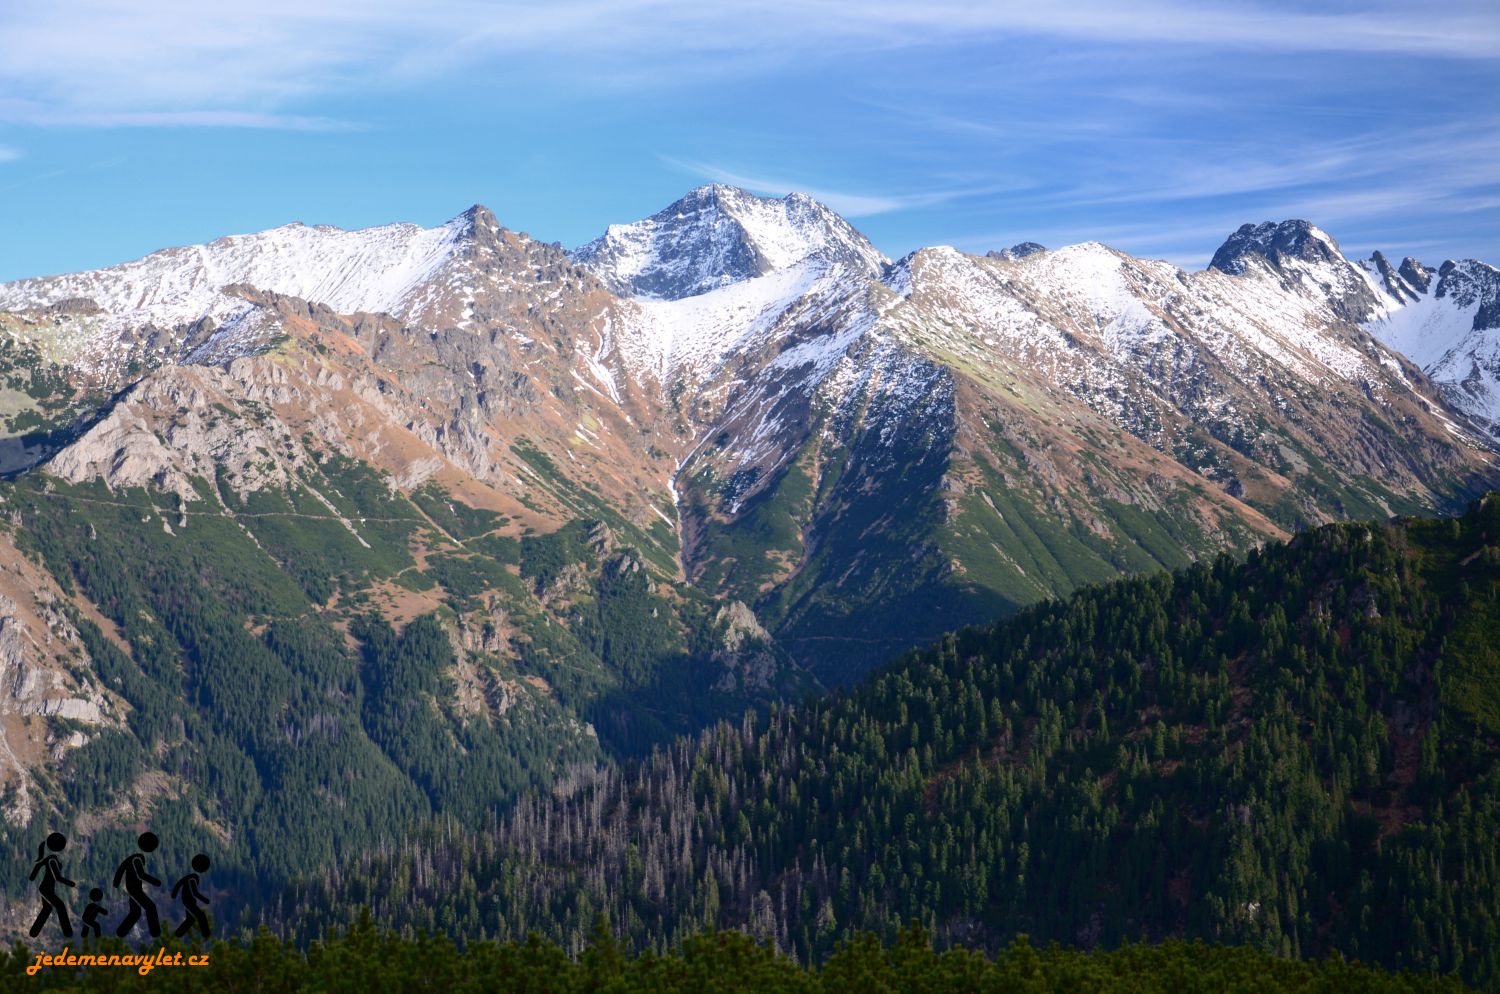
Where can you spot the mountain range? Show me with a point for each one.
(580, 501)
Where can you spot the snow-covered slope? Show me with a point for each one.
(1308, 261)
(204, 303)
(1088, 311)
(719, 235)
(373, 269)
(697, 333)
(1449, 324)
(1446, 321)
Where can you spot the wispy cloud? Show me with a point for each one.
(1447, 158)
(32, 113)
(1158, 172)
(1191, 245)
(119, 62)
(1158, 126)
(8, 154)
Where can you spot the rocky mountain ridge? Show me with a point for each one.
(1448, 322)
(858, 453)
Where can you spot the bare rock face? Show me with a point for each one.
(740, 626)
(174, 426)
(1307, 259)
(746, 651)
(487, 630)
(43, 676)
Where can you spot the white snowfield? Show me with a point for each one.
(374, 269)
(698, 333)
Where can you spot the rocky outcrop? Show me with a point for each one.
(746, 652)
(1307, 260)
(48, 700)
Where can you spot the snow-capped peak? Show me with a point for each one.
(1395, 283)
(1274, 241)
(718, 235)
(1307, 259)
(1020, 250)
(1416, 274)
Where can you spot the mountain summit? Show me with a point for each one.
(1274, 241)
(1306, 258)
(1446, 320)
(718, 235)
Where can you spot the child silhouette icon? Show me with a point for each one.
(92, 912)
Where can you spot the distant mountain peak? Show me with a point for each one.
(1396, 284)
(1472, 284)
(1274, 241)
(1020, 250)
(479, 215)
(716, 235)
(370, 269)
(1305, 257)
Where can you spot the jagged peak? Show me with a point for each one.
(478, 215)
(1394, 282)
(1418, 275)
(1304, 256)
(716, 235)
(1274, 241)
(1469, 267)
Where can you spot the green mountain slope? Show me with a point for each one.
(264, 659)
(1298, 753)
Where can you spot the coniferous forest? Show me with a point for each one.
(1295, 754)
(1291, 755)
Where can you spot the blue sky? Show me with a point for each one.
(1157, 126)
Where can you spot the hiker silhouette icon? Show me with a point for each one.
(133, 872)
(186, 890)
(50, 867)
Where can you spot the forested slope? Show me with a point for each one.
(265, 663)
(1297, 752)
